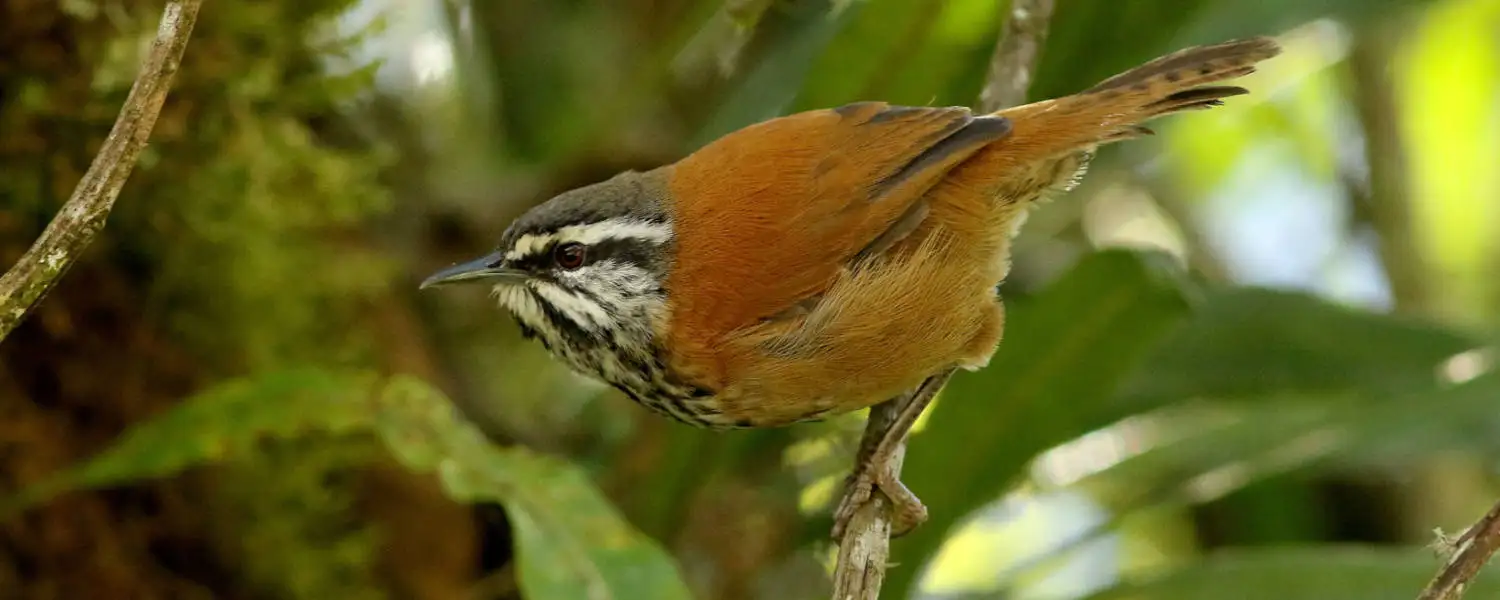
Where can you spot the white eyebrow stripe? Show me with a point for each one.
(620, 228)
(528, 244)
(593, 233)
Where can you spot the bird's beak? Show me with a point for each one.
(484, 268)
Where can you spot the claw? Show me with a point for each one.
(907, 511)
(857, 492)
(875, 464)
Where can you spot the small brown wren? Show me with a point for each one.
(821, 262)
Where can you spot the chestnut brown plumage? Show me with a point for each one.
(821, 262)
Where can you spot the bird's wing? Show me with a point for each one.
(768, 216)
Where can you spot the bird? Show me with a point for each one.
(820, 262)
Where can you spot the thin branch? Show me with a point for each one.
(1466, 556)
(81, 218)
(1385, 201)
(1014, 63)
(864, 549)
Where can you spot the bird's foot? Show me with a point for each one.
(907, 511)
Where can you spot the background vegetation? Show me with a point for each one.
(1248, 358)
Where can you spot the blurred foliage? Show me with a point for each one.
(1297, 574)
(235, 394)
(233, 248)
(572, 544)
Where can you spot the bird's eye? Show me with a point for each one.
(569, 256)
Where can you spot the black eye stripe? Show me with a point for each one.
(564, 325)
(633, 251)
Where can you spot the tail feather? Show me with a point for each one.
(1115, 109)
(1194, 66)
(1052, 141)
(1129, 132)
(1176, 82)
(1204, 97)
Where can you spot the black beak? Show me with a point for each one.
(480, 269)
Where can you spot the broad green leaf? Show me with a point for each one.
(1300, 573)
(223, 423)
(1315, 385)
(571, 543)
(1065, 350)
(1250, 343)
(1286, 434)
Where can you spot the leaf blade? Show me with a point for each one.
(1250, 342)
(1298, 573)
(572, 544)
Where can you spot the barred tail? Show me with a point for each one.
(1176, 82)
(1115, 108)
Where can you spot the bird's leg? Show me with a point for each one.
(888, 424)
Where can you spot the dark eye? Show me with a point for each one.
(569, 255)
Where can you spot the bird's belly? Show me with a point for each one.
(877, 333)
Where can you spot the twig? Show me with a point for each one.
(1014, 62)
(865, 545)
(1465, 557)
(81, 218)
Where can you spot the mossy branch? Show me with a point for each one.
(864, 548)
(83, 216)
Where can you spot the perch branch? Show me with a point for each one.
(1465, 557)
(81, 218)
(865, 545)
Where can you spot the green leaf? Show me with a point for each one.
(1250, 342)
(224, 423)
(1065, 350)
(1300, 573)
(571, 543)
(1314, 385)
(1286, 434)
